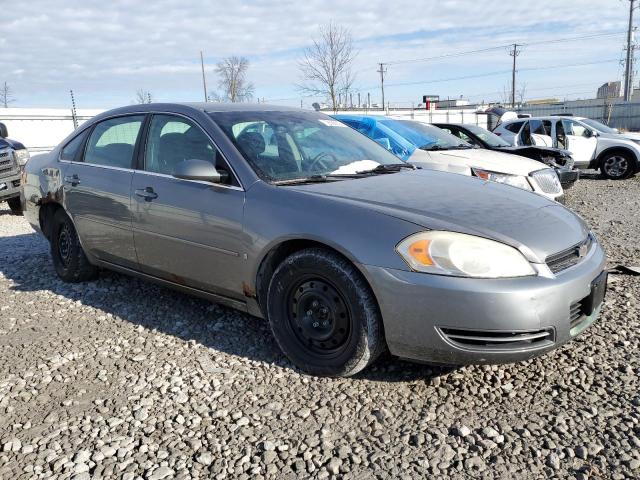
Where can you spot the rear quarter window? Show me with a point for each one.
(71, 149)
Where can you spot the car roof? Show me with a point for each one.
(206, 107)
(545, 117)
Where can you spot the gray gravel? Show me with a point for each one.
(119, 378)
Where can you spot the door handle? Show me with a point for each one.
(73, 180)
(147, 193)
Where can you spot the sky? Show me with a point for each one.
(106, 51)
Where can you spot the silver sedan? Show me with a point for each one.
(292, 216)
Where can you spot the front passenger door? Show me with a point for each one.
(188, 232)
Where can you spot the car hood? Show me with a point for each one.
(458, 160)
(443, 201)
(7, 142)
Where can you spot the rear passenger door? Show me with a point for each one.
(97, 187)
(186, 231)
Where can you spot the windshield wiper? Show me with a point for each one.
(309, 179)
(462, 146)
(388, 168)
(428, 146)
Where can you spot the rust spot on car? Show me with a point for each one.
(248, 291)
(178, 279)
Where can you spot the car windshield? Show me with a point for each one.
(290, 145)
(601, 127)
(426, 137)
(486, 136)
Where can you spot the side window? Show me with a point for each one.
(172, 140)
(574, 128)
(112, 142)
(71, 149)
(514, 127)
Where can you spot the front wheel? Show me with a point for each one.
(617, 166)
(323, 314)
(15, 205)
(69, 260)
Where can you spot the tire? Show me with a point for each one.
(15, 205)
(323, 314)
(617, 166)
(69, 260)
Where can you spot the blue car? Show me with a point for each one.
(430, 147)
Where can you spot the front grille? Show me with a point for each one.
(8, 164)
(498, 340)
(548, 181)
(569, 257)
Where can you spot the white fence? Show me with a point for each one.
(457, 115)
(41, 129)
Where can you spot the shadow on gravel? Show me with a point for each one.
(26, 262)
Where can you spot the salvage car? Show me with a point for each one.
(292, 216)
(558, 159)
(431, 147)
(616, 155)
(13, 156)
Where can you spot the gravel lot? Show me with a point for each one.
(119, 378)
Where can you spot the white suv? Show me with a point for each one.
(592, 144)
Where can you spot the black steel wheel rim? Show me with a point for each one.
(64, 244)
(318, 316)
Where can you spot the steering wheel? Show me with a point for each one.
(318, 158)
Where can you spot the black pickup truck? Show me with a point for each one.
(13, 157)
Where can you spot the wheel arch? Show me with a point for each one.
(619, 149)
(45, 216)
(276, 254)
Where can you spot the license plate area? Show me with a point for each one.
(596, 297)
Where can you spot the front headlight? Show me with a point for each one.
(461, 255)
(514, 180)
(22, 156)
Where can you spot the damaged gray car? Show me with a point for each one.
(292, 216)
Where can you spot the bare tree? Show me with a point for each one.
(326, 65)
(6, 95)
(143, 96)
(521, 91)
(232, 81)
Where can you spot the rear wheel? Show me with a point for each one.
(323, 314)
(69, 260)
(15, 205)
(617, 166)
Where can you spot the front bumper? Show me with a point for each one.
(9, 187)
(440, 319)
(567, 177)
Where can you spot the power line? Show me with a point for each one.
(502, 47)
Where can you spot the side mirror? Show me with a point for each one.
(4, 133)
(199, 170)
(385, 142)
(591, 133)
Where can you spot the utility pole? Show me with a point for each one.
(204, 81)
(628, 68)
(382, 71)
(514, 53)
